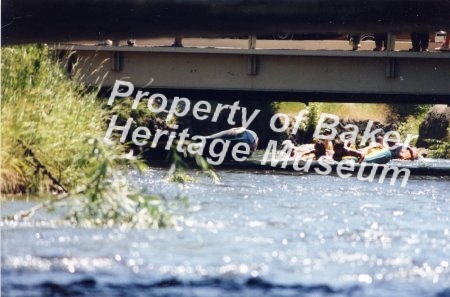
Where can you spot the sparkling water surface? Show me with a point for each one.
(254, 234)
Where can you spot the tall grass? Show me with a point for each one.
(46, 119)
(358, 111)
(52, 140)
(355, 111)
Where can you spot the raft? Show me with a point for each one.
(375, 156)
(443, 171)
(234, 136)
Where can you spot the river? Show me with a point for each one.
(254, 234)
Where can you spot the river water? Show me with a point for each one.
(254, 234)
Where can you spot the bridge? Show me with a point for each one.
(269, 73)
(54, 20)
(254, 74)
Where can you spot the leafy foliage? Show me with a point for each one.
(403, 111)
(108, 199)
(313, 117)
(52, 133)
(177, 172)
(45, 119)
(438, 148)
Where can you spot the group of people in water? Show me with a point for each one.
(337, 150)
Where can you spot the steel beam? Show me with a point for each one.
(64, 20)
(285, 75)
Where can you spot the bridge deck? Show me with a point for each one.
(289, 74)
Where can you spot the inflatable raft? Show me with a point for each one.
(233, 136)
(375, 156)
(414, 169)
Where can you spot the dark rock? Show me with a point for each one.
(435, 125)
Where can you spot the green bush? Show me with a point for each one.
(438, 148)
(46, 119)
(52, 140)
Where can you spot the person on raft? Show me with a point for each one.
(402, 153)
(318, 151)
(306, 149)
(328, 143)
(341, 150)
(296, 149)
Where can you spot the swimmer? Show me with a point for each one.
(296, 150)
(399, 152)
(318, 151)
(328, 143)
(342, 150)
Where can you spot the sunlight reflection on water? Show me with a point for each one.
(295, 234)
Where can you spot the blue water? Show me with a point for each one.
(255, 234)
